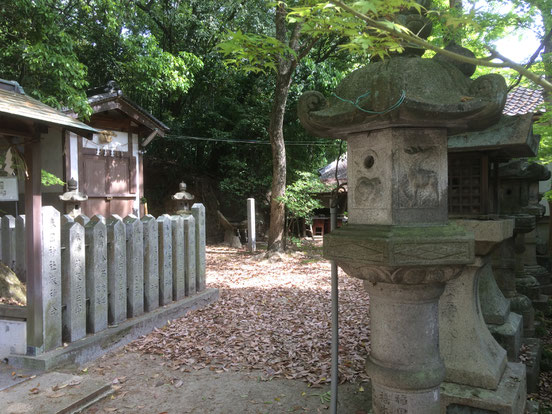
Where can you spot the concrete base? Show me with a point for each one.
(13, 337)
(509, 335)
(93, 346)
(73, 394)
(509, 398)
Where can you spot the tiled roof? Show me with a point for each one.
(327, 173)
(521, 101)
(23, 106)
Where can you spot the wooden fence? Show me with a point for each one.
(98, 272)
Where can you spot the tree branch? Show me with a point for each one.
(535, 55)
(506, 63)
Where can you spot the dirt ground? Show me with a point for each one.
(144, 386)
(262, 348)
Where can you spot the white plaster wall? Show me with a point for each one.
(13, 337)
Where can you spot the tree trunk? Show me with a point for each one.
(276, 134)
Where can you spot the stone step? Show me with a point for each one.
(53, 393)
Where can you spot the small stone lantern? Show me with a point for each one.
(183, 198)
(73, 198)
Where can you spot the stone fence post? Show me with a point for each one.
(96, 273)
(198, 211)
(51, 278)
(190, 254)
(164, 229)
(116, 270)
(73, 281)
(151, 263)
(178, 257)
(135, 265)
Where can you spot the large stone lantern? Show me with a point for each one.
(398, 239)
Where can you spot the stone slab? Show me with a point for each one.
(400, 246)
(532, 365)
(10, 376)
(509, 398)
(75, 394)
(13, 337)
(93, 346)
(487, 233)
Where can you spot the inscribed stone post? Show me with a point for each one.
(20, 252)
(135, 265)
(198, 211)
(251, 235)
(164, 230)
(51, 277)
(1, 258)
(178, 257)
(190, 254)
(73, 281)
(82, 219)
(116, 270)
(96, 273)
(151, 263)
(8, 241)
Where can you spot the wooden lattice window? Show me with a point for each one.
(468, 184)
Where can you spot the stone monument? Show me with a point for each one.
(396, 116)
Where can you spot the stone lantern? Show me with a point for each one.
(183, 198)
(72, 199)
(396, 116)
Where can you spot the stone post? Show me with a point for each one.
(135, 265)
(73, 280)
(251, 236)
(151, 263)
(179, 258)
(20, 257)
(198, 211)
(96, 273)
(164, 229)
(190, 254)
(8, 241)
(398, 177)
(51, 277)
(116, 270)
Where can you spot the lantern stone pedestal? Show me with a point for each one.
(472, 356)
(396, 115)
(405, 267)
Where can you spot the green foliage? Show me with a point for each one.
(298, 198)
(48, 179)
(38, 50)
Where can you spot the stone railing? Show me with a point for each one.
(98, 272)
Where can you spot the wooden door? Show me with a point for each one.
(107, 180)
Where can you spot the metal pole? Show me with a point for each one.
(335, 328)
